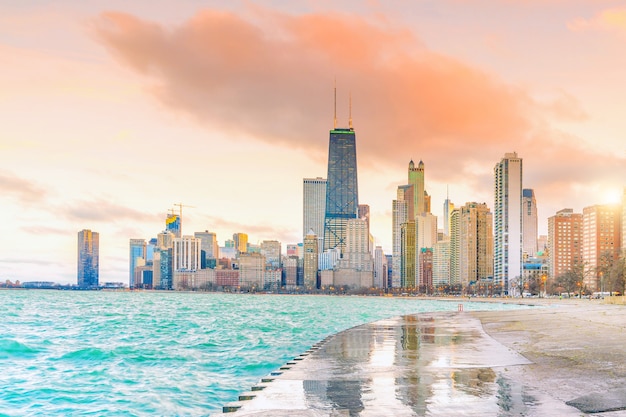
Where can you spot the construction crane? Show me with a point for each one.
(180, 208)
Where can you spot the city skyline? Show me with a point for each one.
(112, 112)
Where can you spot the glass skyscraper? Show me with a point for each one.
(508, 223)
(341, 188)
(88, 259)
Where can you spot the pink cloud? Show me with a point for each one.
(271, 78)
(612, 20)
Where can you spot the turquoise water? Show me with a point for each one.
(143, 354)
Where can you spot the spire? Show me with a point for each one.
(335, 117)
(350, 113)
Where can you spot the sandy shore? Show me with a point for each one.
(577, 348)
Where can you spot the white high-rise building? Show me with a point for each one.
(508, 223)
(441, 264)
(314, 208)
(529, 222)
(186, 254)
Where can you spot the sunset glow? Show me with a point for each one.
(112, 112)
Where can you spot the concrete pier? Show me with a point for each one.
(558, 360)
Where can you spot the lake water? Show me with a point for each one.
(153, 353)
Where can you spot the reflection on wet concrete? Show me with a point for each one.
(417, 365)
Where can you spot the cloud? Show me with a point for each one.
(27, 192)
(44, 230)
(269, 76)
(612, 20)
(104, 211)
(254, 231)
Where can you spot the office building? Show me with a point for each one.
(380, 268)
(314, 208)
(137, 256)
(342, 187)
(172, 224)
(507, 222)
(208, 243)
(416, 179)
(186, 254)
(448, 206)
(529, 221)
(310, 261)
(271, 250)
(252, 271)
(88, 259)
(241, 242)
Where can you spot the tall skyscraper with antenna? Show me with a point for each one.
(342, 200)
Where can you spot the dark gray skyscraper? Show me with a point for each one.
(88, 258)
(342, 200)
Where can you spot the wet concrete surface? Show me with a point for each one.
(432, 364)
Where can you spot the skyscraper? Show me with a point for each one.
(416, 179)
(408, 258)
(342, 187)
(448, 206)
(241, 242)
(601, 242)
(88, 258)
(314, 207)
(529, 222)
(310, 260)
(508, 222)
(475, 243)
(172, 224)
(136, 256)
(565, 242)
(402, 212)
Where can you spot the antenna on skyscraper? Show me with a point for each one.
(335, 120)
(350, 112)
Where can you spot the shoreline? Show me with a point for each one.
(545, 357)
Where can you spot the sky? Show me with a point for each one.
(112, 112)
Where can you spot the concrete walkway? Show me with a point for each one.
(501, 363)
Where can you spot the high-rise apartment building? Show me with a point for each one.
(252, 270)
(441, 264)
(530, 230)
(455, 247)
(310, 260)
(601, 242)
(408, 258)
(475, 244)
(425, 238)
(314, 208)
(507, 222)
(565, 242)
(137, 257)
(402, 212)
(342, 187)
(88, 259)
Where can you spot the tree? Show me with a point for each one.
(569, 281)
(617, 278)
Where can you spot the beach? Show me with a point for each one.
(562, 357)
